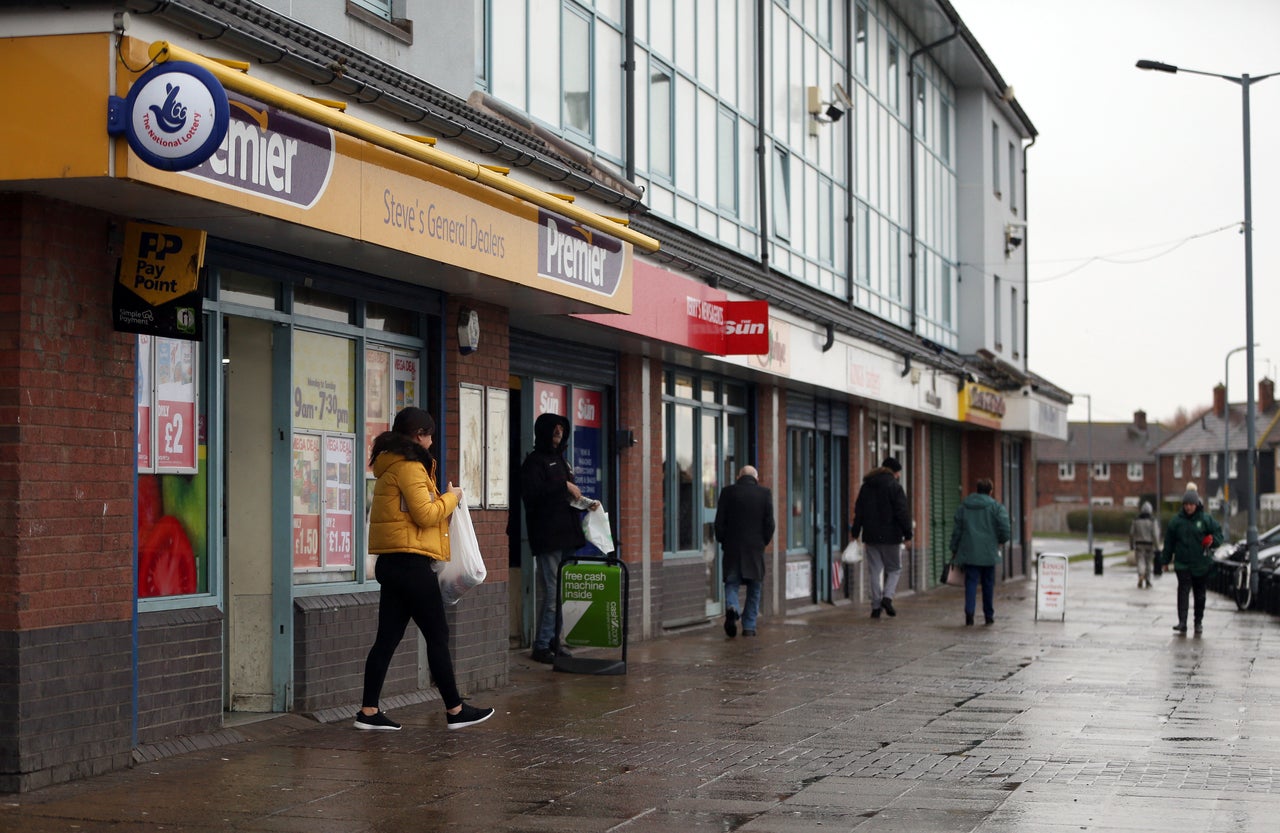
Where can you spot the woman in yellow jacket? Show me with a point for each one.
(409, 532)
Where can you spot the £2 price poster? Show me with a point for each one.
(168, 401)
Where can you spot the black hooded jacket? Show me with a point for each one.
(881, 514)
(553, 524)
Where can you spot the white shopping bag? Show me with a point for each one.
(465, 567)
(852, 553)
(595, 525)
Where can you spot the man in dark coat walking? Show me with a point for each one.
(744, 526)
(882, 517)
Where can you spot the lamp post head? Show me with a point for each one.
(1157, 66)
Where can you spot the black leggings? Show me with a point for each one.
(410, 590)
(1194, 586)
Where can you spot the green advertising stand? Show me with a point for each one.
(593, 604)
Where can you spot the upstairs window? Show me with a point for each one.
(575, 67)
(1066, 471)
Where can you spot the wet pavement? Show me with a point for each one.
(827, 721)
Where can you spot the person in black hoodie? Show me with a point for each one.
(554, 524)
(882, 517)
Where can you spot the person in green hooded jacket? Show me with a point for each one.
(981, 528)
(1189, 541)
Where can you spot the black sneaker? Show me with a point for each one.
(469, 716)
(376, 722)
(748, 633)
(1181, 627)
(887, 606)
(563, 652)
(542, 655)
(875, 613)
(731, 623)
(1198, 629)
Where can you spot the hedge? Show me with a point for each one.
(1105, 521)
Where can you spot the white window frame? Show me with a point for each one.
(1136, 471)
(1195, 465)
(1066, 471)
(995, 160)
(1177, 465)
(1131, 502)
(1101, 471)
(1213, 466)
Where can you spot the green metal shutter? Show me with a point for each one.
(945, 494)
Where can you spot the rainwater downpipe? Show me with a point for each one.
(629, 92)
(1026, 261)
(762, 144)
(911, 166)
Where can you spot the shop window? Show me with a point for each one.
(172, 530)
(325, 305)
(323, 458)
(248, 290)
(389, 319)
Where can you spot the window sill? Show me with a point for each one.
(401, 28)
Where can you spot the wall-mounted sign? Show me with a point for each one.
(174, 117)
(981, 405)
(157, 291)
(272, 154)
(746, 328)
(577, 255)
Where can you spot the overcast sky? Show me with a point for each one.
(1137, 290)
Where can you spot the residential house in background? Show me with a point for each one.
(1121, 456)
(1195, 453)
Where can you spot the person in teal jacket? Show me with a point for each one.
(1189, 542)
(981, 528)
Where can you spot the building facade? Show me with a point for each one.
(1211, 450)
(710, 234)
(1119, 457)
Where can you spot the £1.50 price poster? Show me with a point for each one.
(175, 406)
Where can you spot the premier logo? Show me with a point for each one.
(579, 256)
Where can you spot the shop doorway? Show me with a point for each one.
(247, 519)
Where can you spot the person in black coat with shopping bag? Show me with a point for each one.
(744, 526)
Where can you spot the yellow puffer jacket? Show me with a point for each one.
(408, 513)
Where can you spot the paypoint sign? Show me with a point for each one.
(157, 290)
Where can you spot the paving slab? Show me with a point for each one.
(827, 721)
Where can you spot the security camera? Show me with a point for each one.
(843, 97)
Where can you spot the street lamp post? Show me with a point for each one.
(1226, 436)
(1089, 464)
(1251, 452)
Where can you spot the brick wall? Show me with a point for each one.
(1051, 489)
(66, 497)
(479, 623)
(180, 662)
(66, 703)
(631, 521)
